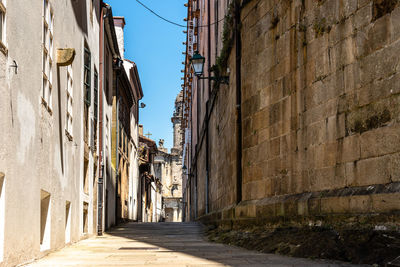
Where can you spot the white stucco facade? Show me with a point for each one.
(44, 202)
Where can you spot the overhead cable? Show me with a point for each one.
(174, 23)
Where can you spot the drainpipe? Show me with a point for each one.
(100, 144)
(209, 94)
(117, 144)
(190, 162)
(209, 46)
(195, 195)
(216, 28)
(197, 145)
(238, 103)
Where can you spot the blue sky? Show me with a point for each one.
(156, 47)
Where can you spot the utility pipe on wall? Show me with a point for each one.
(238, 103)
(100, 143)
(117, 145)
(207, 116)
(190, 163)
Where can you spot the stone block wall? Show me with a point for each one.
(320, 111)
(222, 132)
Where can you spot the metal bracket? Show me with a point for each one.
(15, 66)
(222, 79)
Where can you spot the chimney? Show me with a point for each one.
(119, 23)
(140, 129)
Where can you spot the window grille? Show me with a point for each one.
(47, 44)
(69, 105)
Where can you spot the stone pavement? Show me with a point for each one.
(163, 244)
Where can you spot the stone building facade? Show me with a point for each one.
(168, 168)
(126, 93)
(150, 203)
(57, 68)
(306, 130)
(118, 132)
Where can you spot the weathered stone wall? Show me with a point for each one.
(168, 168)
(222, 132)
(222, 154)
(320, 112)
(201, 183)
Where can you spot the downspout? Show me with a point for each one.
(198, 113)
(209, 46)
(216, 28)
(139, 187)
(100, 145)
(195, 193)
(197, 145)
(209, 94)
(117, 145)
(238, 103)
(190, 162)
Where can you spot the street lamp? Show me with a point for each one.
(197, 62)
(184, 171)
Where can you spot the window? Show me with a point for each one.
(86, 83)
(95, 94)
(107, 131)
(85, 176)
(95, 108)
(44, 220)
(120, 135)
(86, 76)
(67, 222)
(85, 217)
(47, 44)
(3, 26)
(69, 105)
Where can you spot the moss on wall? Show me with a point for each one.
(221, 63)
(383, 7)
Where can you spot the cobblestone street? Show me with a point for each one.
(163, 244)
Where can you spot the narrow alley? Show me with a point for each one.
(163, 244)
(199, 133)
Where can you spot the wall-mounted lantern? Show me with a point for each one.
(184, 171)
(197, 63)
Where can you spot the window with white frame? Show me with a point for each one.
(2, 23)
(69, 105)
(87, 87)
(47, 44)
(95, 107)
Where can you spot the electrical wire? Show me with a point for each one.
(212, 23)
(174, 23)
(167, 20)
(248, 13)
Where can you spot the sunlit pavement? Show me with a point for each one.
(163, 244)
